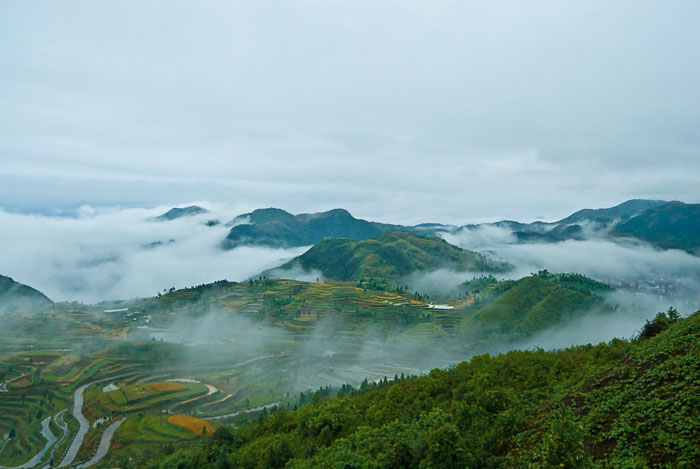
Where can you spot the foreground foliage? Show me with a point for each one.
(622, 404)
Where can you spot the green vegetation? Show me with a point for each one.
(606, 216)
(515, 310)
(671, 226)
(277, 228)
(622, 404)
(17, 296)
(384, 260)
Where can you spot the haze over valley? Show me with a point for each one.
(378, 234)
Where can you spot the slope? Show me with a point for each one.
(622, 404)
(517, 309)
(175, 213)
(388, 257)
(17, 296)
(671, 226)
(277, 228)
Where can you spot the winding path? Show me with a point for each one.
(58, 418)
(50, 440)
(3, 386)
(105, 441)
(84, 424)
(78, 397)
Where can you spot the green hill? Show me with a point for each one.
(622, 211)
(622, 404)
(671, 226)
(276, 228)
(17, 296)
(517, 309)
(389, 257)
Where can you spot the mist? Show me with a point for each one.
(117, 253)
(669, 275)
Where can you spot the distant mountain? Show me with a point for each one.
(274, 227)
(277, 228)
(17, 296)
(175, 213)
(388, 257)
(578, 225)
(518, 309)
(674, 225)
(606, 216)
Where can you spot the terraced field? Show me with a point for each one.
(221, 352)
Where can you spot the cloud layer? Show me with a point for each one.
(121, 253)
(399, 111)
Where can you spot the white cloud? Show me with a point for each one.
(105, 254)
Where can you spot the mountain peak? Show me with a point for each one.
(176, 212)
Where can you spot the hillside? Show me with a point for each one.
(389, 257)
(517, 309)
(277, 228)
(175, 213)
(671, 226)
(622, 211)
(17, 296)
(622, 404)
(572, 227)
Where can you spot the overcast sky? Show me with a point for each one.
(398, 111)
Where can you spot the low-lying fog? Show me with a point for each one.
(113, 253)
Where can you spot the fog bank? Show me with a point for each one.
(116, 253)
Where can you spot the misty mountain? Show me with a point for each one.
(674, 225)
(572, 227)
(605, 216)
(17, 296)
(389, 257)
(175, 213)
(667, 225)
(515, 310)
(277, 228)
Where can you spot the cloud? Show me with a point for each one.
(114, 253)
(463, 111)
(627, 264)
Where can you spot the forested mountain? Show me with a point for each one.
(666, 225)
(277, 228)
(389, 257)
(622, 211)
(671, 226)
(514, 310)
(622, 404)
(17, 296)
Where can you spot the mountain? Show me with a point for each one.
(17, 296)
(674, 225)
(577, 226)
(277, 228)
(518, 309)
(605, 216)
(389, 257)
(620, 404)
(175, 213)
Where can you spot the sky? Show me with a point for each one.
(404, 112)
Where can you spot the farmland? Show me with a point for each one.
(148, 369)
